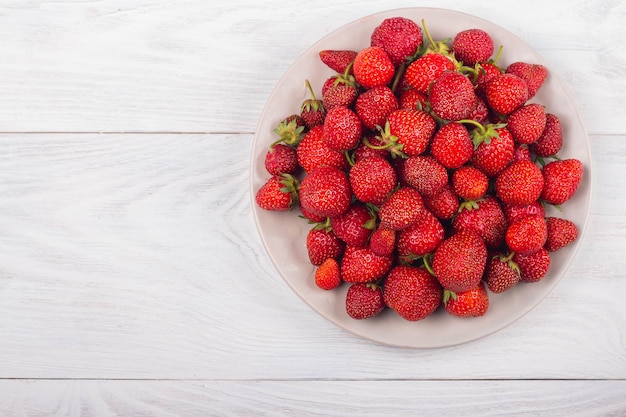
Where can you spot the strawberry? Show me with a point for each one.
(527, 123)
(425, 174)
(290, 130)
(312, 110)
(420, 238)
(374, 105)
(494, 149)
(323, 243)
(412, 292)
(339, 95)
(354, 226)
(452, 145)
(281, 159)
(342, 129)
(362, 265)
(485, 218)
(551, 139)
(533, 75)
(383, 241)
(337, 60)
(534, 266)
(372, 67)
(469, 303)
(472, 46)
(408, 132)
(506, 93)
(326, 191)
(521, 152)
(526, 235)
(364, 300)
(403, 208)
(425, 69)
(520, 183)
(412, 99)
(481, 112)
(561, 232)
(370, 146)
(312, 152)
(278, 193)
(469, 183)
(327, 275)
(501, 273)
(452, 96)
(459, 261)
(372, 179)
(399, 37)
(443, 205)
(486, 71)
(311, 217)
(562, 179)
(514, 212)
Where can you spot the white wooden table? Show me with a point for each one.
(133, 281)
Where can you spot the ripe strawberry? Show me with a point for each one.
(514, 212)
(342, 129)
(526, 235)
(472, 46)
(372, 67)
(383, 241)
(486, 219)
(372, 180)
(486, 71)
(502, 273)
(425, 174)
(425, 69)
(521, 152)
(561, 232)
(481, 112)
(562, 178)
(374, 105)
(323, 243)
(337, 60)
(452, 145)
(534, 266)
(354, 226)
(281, 159)
(364, 300)
(327, 275)
(520, 183)
(311, 217)
(312, 110)
(326, 191)
(470, 303)
(412, 292)
(339, 95)
(469, 183)
(443, 205)
(412, 99)
(399, 37)
(494, 150)
(290, 130)
(452, 96)
(403, 208)
(278, 193)
(420, 238)
(408, 132)
(533, 75)
(312, 152)
(362, 265)
(527, 123)
(551, 140)
(506, 93)
(459, 261)
(370, 146)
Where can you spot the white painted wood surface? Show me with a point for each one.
(133, 281)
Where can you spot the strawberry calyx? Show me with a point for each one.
(468, 205)
(441, 47)
(483, 133)
(508, 259)
(291, 186)
(289, 133)
(312, 104)
(447, 294)
(389, 142)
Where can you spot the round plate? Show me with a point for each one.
(284, 234)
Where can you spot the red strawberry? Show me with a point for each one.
(562, 178)
(527, 123)
(527, 235)
(514, 212)
(337, 60)
(425, 174)
(534, 266)
(279, 193)
(374, 105)
(425, 69)
(412, 99)
(412, 292)
(452, 96)
(408, 132)
(323, 243)
(520, 183)
(383, 241)
(403, 208)
(370, 146)
(362, 265)
(481, 112)
(470, 303)
(372, 180)
(494, 149)
(281, 159)
(311, 217)
(399, 37)
(420, 238)
(290, 130)
(459, 261)
(443, 205)
(521, 152)
(551, 140)
(561, 232)
(501, 273)
(364, 300)
(312, 110)
(486, 72)
(354, 226)
(506, 93)
(472, 46)
(452, 145)
(533, 75)
(372, 67)
(327, 275)
(312, 152)
(339, 95)
(469, 183)
(326, 191)
(342, 129)
(486, 219)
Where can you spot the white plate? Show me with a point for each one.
(283, 234)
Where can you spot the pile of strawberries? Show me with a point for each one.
(424, 171)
